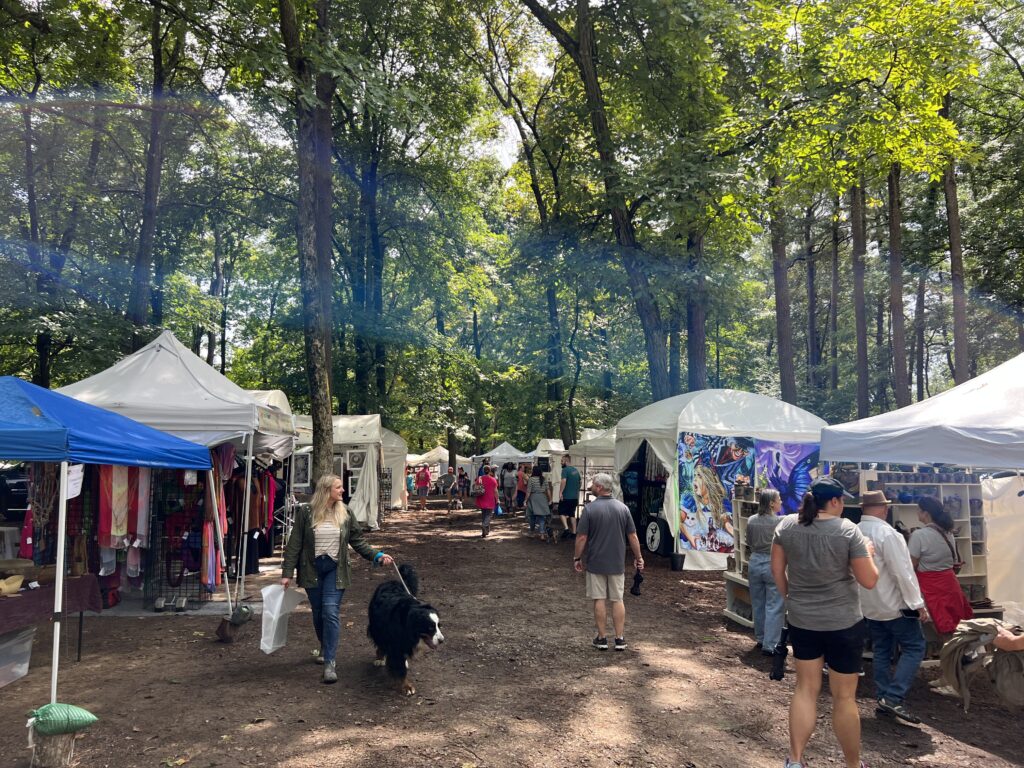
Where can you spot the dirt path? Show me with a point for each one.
(516, 684)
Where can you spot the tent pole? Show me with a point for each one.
(245, 520)
(214, 494)
(58, 591)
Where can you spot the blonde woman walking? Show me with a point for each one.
(318, 548)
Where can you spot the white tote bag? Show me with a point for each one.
(278, 603)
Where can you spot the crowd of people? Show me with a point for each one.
(817, 579)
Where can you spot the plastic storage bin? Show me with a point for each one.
(15, 652)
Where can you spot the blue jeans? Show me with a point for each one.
(538, 523)
(769, 607)
(885, 637)
(325, 600)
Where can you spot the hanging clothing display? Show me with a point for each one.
(124, 505)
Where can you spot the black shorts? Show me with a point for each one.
(567, 507)
(842, 648)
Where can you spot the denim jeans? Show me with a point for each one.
(885, 637)
(325, 600)
(538, 523)
(769, 607)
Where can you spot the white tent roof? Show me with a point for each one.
(504, 452)
(395, 447)
(723, 412)
(979, 423)
(589, 433)
(348, 430)
(275, 398)
(165, 386)
(602, 446)
(439, 456)
(548, 446)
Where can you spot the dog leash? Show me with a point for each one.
(395, 566)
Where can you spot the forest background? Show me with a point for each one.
(496, 220)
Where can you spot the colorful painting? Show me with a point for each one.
(709, 467)
(789, 468)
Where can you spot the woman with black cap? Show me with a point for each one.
(818, 559)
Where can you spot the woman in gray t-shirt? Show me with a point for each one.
(818, 559)
(768, 607)
(933, 553)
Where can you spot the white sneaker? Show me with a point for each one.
(790, 764)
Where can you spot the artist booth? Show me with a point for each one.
(166, 386)
(678, 460)
(64, 442)
(358, 460)
(952, 446)
(596, 453)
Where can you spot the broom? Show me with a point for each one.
(231, 624)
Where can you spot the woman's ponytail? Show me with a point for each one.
(808, 510)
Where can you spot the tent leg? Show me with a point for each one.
(212, 485)
(58, 591)
(244, 520)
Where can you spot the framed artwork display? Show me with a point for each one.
(353, 483)
(301, 469)
(356, 459)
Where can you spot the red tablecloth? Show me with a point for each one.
(32, 606)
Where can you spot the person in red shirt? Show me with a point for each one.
(422, 485)
(488, 501)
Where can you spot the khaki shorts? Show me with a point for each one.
(605, 586)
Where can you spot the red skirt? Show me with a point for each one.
(946, 602)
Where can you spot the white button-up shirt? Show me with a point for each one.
(897, 586)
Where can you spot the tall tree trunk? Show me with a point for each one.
(859, 249)
(44, 341)
(582, 52)
(376, 281)
(813, 344)
(919, 350)
(316, 321)
(216, 288)
(675, 329)
(833, 301)
(139, 298)
(901, 371)
(606, 357)
(961, 351)
(696, 320)
(783, 303)
(881, 388)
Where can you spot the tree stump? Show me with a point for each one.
(53, 751)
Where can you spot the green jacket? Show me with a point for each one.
(298, 552)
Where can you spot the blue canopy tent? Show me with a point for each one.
(39, 425)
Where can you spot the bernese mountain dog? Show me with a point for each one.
(399, 622)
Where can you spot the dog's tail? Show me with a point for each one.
(412, 580)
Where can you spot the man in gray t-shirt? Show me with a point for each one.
(601, 536)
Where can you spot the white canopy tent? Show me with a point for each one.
(600, 448)
(438, 457)
(725, 412)
(589, 433)
(355, 433)
(166, 386)
(502, 453)
(977, 424)
(395, 451)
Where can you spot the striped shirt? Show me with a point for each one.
(328, 539)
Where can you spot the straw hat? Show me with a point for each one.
(11, 585)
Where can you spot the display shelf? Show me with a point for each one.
(737, 588)
(960, 493)
(737, 600)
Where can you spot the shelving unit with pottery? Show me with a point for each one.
(960, 493)
(737, 588)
